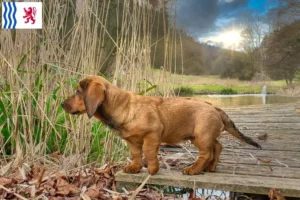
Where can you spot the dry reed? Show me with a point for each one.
(39, 68)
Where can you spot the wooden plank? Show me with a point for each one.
(275, 109)
(249, 152)
(261, 111)
(185, 159)
(287, 145)
(288, 159)
(217, 181)
(260, 126)
(259, 119)
(270, 140)
(250, 161)
(261, 114)
(271, 133)
(259, 170)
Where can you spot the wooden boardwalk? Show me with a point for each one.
(242, 168)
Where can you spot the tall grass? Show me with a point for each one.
(39, 68)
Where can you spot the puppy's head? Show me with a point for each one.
(87, 98)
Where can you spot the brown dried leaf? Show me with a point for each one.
(56, 154)
(56, 198)
(119, 197)
(7, 182)
(36, 170)
(6, 168)
(92, 193)
(87, 181)
(64, 188)
(48, 184)
(102, 171)
(52, 191)
(61, 182)
(74, 190)
(273, 194)
(106, 175)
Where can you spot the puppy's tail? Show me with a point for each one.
(233, 130)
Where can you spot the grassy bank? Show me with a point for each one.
(215, 85)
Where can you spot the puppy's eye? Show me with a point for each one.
(76, 92)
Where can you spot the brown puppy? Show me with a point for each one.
(144, 122)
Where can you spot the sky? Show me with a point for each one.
(219, 22)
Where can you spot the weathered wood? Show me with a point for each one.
(260, 126)
(217, 181)
(242, 168)
(259, 119)
(261, 114)
(271, 144)
(249, 152)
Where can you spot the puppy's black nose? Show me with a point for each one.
(62, 104)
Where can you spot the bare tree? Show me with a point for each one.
(283, 52)
(253, 35)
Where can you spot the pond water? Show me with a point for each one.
(246, 99)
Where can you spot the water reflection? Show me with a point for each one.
(246, 99)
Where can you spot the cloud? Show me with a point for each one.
(199, 17)
(196, 16)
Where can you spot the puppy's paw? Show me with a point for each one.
(153, 169)
(210, 168)
(132, 169)
(190, 171)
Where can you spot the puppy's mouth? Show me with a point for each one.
(75, 113)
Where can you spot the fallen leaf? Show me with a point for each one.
(7, 182)
(6, 168)
(273, 194)
(56, 154)
(92, 193)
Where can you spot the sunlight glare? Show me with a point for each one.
(230, 38)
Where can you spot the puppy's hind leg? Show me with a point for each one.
(217, 151)
(205, 147)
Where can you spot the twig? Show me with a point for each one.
(246, 197)
(110, 191)
(265, 161)
(188, 151)
(8, 190)
(212, 195)
(281, 163)
(126, 191)
(167, 165)
(40, 178)
(139, 188)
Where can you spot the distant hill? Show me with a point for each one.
(198, 58)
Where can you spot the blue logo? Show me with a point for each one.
(9, 15)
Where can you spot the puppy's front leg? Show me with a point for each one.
(136, 152)
(150, 150)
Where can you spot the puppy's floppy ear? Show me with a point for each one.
(94, 95)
